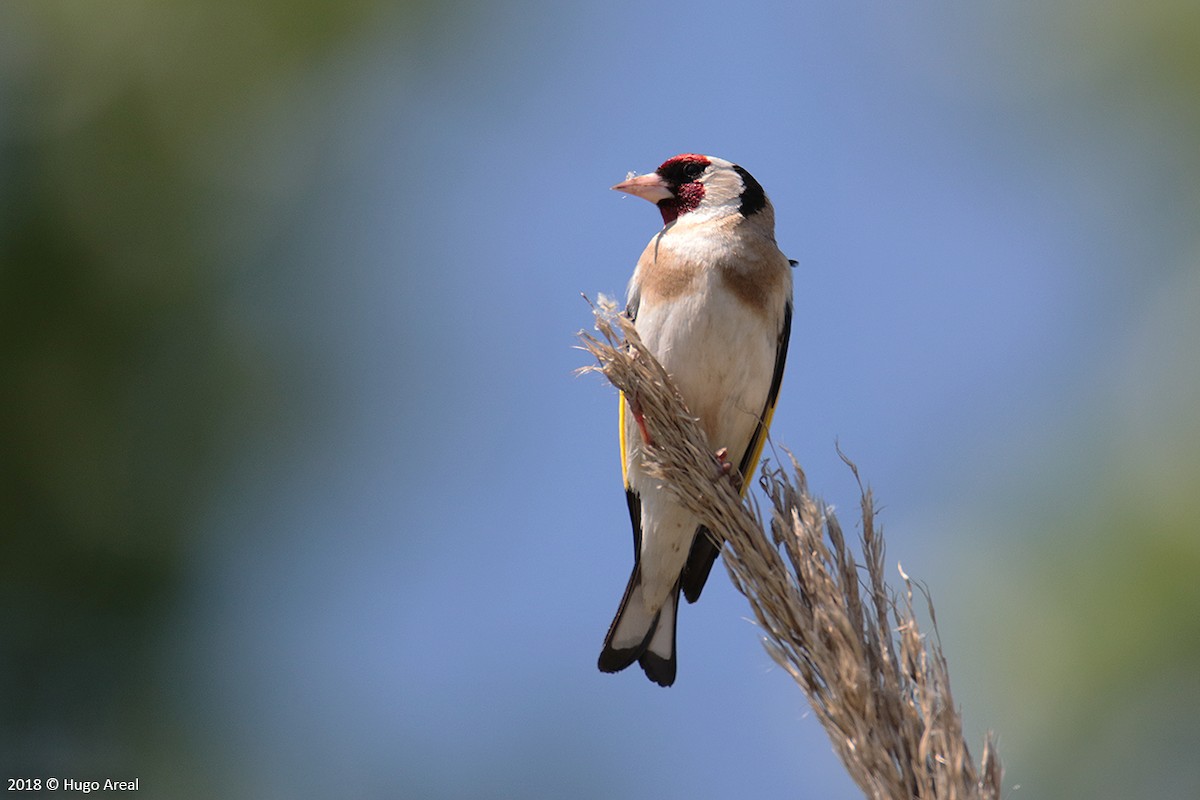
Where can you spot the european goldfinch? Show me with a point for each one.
(711, 297)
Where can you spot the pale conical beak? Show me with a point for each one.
(648, 187)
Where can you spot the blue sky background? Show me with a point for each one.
(400, 584)
(445, 554)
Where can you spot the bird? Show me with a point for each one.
(711, 299)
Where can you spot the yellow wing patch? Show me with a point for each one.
(756, 448)
(624, 444)
(749, 463)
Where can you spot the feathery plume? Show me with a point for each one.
(880, 687)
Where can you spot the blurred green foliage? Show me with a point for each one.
(1091, 669)
(122, 377)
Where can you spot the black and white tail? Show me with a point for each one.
(641, 634)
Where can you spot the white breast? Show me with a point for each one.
(719, 349)
(721, 355)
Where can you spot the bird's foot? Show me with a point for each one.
(723, 465)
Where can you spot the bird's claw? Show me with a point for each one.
(723, 465)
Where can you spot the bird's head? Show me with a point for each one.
(702, 185)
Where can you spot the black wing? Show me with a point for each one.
(705, 547)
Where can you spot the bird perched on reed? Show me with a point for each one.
(711, 298)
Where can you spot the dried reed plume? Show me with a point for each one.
(884, 699)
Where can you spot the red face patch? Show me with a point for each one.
(681, 173)
(687, 198)
(686, 166)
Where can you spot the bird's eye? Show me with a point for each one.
(683, 169)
